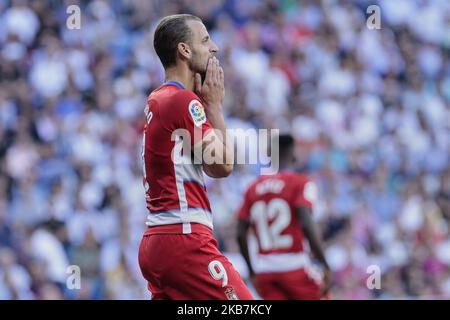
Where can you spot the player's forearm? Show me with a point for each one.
(244, 251)
(316, 248)
(242, 228)
(311, 234)
(319, 254)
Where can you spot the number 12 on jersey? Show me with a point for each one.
(269, 235)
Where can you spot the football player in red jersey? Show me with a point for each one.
(278, 208)
(178, 254)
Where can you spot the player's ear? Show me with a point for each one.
(184, 50)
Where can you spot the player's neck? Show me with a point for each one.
(181, 75)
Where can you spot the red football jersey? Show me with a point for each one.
(269, 206)
(175, 190)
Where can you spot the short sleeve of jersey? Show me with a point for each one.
(190, 115)
(306, 195)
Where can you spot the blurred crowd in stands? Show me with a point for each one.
(369, 110)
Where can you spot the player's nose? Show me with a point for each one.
(214, 48)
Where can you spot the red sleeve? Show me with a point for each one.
(307, 194)
(190, 115)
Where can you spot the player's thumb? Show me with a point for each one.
(198, 83)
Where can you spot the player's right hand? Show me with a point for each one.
(212, 91)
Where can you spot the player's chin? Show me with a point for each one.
(204, 67)
(199, 69)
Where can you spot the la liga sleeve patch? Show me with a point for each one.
(197, 112)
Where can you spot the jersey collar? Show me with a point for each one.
(176, 83)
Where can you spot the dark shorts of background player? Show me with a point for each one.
(179, 266)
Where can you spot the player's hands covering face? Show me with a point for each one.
(212, 91)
